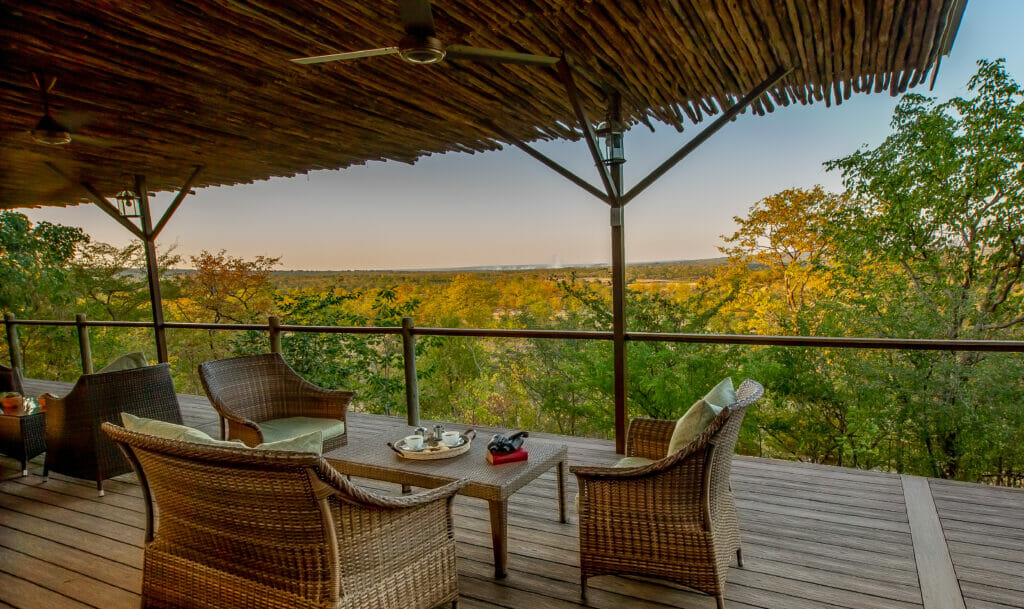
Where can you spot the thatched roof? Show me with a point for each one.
(159, 86)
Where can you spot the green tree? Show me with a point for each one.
(34, 284)
(934, 234)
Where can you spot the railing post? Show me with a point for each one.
(412, 389)
(275, 333)
(13, 345)
(83, 343)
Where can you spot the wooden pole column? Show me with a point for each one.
(412, 389)
(152, 268)
(13, 345)
(619, 359)
(83, 343)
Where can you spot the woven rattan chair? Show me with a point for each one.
(75, 445)
(249, 390)
(674, 518)
(280, 530)
(10, 380)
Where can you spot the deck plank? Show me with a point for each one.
(815, 537)
(939, 586)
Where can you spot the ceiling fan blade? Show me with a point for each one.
(345, 56)
(457, 51)
(74, 119)
(416, 17)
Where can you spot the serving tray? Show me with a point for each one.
(434, 450)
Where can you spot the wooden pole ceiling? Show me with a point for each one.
(156, 88)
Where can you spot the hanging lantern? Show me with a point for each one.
(128, 203)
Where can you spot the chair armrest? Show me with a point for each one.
(649, 438)
(243, 429)
(344, 488)
(48, 398)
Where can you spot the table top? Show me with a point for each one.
(368, 456)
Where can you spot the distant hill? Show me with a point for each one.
(643, 272)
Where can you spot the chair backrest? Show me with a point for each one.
(75, 444)
(725, 439)
(259, 515)
(10, 380)
(254, 387)
(251, 514)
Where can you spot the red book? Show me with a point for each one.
(518, 454)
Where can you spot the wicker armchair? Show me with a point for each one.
(252, 389)
(674, 518)
(10, 380)
(276, 530)
(75, 445)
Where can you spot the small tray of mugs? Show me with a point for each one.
(437, 445)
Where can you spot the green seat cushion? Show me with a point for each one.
(633, 462)
(311, 442)
(305, 443)
(276, 430)
(128, 361)
(700, 415)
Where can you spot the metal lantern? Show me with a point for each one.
(128, 203)
(612, 134)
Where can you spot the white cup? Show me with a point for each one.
(451, 438)
(414, 442)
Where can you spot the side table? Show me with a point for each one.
(23, 436)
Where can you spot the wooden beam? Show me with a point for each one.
(940, 588)
(101, 202)
(565, 73)
(706, 133)
(173, 207)
(152, 269)
(559, 169)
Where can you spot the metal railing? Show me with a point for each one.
(408, 331)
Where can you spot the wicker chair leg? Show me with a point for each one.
(720, 602)
(99, 487)
(739, 557)
(455, 604)
(583, 587)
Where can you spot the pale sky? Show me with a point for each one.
(504, 208)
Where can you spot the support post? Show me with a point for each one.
(619, 315)
(152, 268)
(412, 389)
(618, 213)
(83, 343)
(275, 334)
(13, 344)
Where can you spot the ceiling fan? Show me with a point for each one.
(421, 45)
(48, 130)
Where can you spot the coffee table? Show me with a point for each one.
(367, 456)
(23, 434)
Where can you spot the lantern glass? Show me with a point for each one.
(128, 204)
(613, 142)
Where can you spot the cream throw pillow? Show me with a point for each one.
(700, 415)
(306, 443)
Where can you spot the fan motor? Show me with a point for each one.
(421, 49)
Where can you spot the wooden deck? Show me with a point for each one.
(814, 537)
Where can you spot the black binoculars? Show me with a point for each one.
(500, 444)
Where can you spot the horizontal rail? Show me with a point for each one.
(917, 344)
(516, 333)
